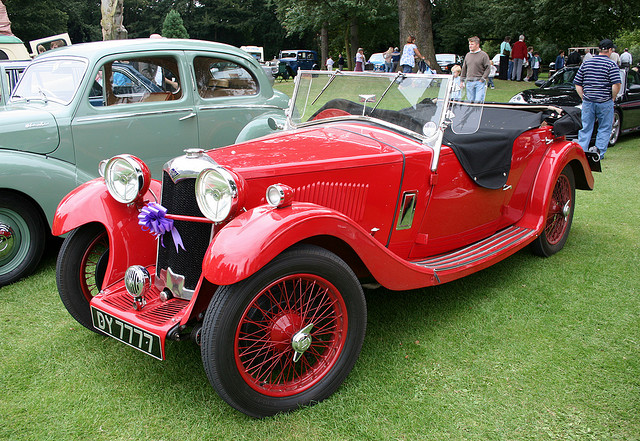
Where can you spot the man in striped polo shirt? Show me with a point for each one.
(598, 82)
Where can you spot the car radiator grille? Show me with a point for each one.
(179, 198)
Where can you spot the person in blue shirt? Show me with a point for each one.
(598, 83)
(560, 60)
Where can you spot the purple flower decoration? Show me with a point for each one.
(152, 218)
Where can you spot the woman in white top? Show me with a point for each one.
(359, 60)
(409, 53)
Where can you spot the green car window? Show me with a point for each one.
(219, 78)
(136, 80)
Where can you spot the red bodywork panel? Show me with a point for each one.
(91, 202)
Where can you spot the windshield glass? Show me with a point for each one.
(51, 80)
(417, 103)
(563, 78)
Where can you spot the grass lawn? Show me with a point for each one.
(529, 349)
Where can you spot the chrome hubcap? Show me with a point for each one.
(301, 341)
(6, 240)
(566, 210)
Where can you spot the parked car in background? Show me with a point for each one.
(10, 72)
(559, 90)
(12, 48)
(77, 105)
(376, 62)
(47, 43)
(294, 59)
(447, 61)
(257, 52)
(258, 251)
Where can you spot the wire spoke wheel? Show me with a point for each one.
(559, 216)
(288, 335)
(80, 270)
(93, 266)
(264, 352)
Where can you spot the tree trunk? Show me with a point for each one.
(324, 45)
(354, 42)
(112, 20)
(415, 19)
(347, 45)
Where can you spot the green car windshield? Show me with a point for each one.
(51, 80)
(418, 104)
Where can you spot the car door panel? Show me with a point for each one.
(227, 97)
(140, 118)
(459, 210)
(630, 104)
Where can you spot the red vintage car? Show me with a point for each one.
(258, 251)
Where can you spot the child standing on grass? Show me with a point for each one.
(457, 90)
(492, 73)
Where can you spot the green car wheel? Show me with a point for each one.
(22, 238)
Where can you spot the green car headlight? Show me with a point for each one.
(217, 193)
(127, 178)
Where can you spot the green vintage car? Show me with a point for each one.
(78, 105)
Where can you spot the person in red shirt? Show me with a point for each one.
(518, 55)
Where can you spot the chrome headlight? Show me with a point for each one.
(127, 178)
(517, 99)
(217, 193)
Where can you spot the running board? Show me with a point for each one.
(482, 253)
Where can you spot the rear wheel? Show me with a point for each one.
(559, 216)
(615, 129)
(82, 263)
(22, 237)
(287, 336)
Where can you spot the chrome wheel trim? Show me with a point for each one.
(17, 245)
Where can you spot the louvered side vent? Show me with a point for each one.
(179, 198)
(349, 199)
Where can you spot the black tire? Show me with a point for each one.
(23, 235)
(559, 216)
(80, 270)
(260, 376)
(615, 128)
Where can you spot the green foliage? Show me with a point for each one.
(282, 24)
(173, 27)
(548, 25)
(629, 39)
(33, 19)
(377, 22)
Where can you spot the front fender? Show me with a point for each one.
(43, 179)
(128, 244)
(260, 127)
(558, 156)
(254, 238)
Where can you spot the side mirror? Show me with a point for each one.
(273, 124)
(540, 83)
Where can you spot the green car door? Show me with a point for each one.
(140, 104)
(230, 93)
